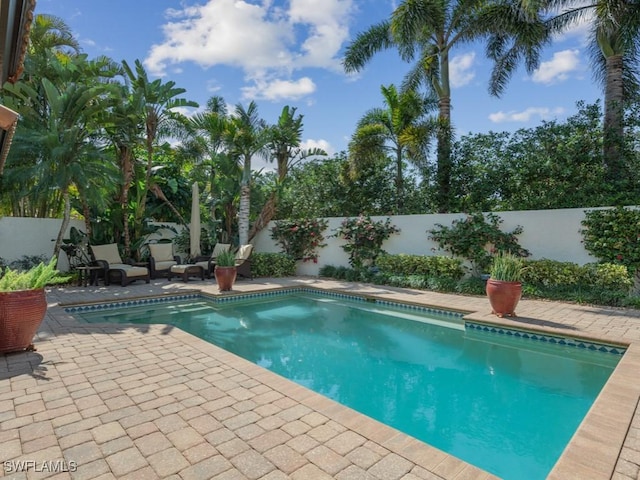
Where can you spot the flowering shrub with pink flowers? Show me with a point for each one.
(300, 238)
(364, 239)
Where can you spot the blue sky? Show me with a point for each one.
(280, 53)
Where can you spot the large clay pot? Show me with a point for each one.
(225, 276)
(21, 313)
(503, 297)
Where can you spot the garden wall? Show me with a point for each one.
(551, 234)
(20, 236)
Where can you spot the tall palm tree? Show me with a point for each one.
(246, 135)
(400, 130)
(427, 31)
(208, 129)
(124, 128)
(158, 103)
(614, 46)
(285, 138)
(63, 134)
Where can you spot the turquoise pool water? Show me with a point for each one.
(508, 405)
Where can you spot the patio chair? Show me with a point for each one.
(209, 263)
(243, 261)
(161, 259)
(108, 257)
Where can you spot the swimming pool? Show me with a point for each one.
(504, 403)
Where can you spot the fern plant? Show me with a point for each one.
(32, 279)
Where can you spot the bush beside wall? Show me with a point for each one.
(438, 266)
(272, 265)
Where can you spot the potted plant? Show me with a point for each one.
(23, 305)
(225, 270)
(504, 286)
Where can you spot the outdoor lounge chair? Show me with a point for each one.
(208, 263)
(108, 257)
(243, 261)
(161, 259)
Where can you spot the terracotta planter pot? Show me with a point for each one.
(225, 276)
(503, 297)
(21, 314)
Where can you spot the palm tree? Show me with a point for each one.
(50, 38)
(284, 145)
(246, 135)
(208, 129)
(157, 101)
(400, 131)
(615, 57)
(124, 129)
(63, 134)
(427, 31)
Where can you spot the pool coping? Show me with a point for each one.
(592, 452)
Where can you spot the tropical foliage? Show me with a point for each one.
(364, 238)
(478, 239)
(300, 238)
(102, 141)
(613, 236)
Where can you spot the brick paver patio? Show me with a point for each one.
(145, 402)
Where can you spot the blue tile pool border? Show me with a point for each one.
(560, 340)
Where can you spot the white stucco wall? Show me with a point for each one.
(21, 236)
(552, 234)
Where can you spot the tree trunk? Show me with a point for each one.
(613, 121)
(65, 221)
(157, 191)
(243, 214)
(443, 174)
(127, 176)
(399, 183)
(266, 214)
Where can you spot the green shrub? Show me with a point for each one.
(552, 273)
(300, 238)
(431, 266)
(608, 276)
(272, 265)
(613, 236)
(476, 238)
(471, 286)
(364, 238)
(327, 271)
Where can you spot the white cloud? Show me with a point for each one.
(558, 68)
(323, 144)
(276, 90)
(460, 69)
(262, 39)
(527, 115)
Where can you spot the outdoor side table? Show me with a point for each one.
(88, 275)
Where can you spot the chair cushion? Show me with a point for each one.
(161, 252)
(204, 265)
(183, 268)
(165, 265)
(219, 248)
(244, 252)
(131, 271)
(109, 253)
